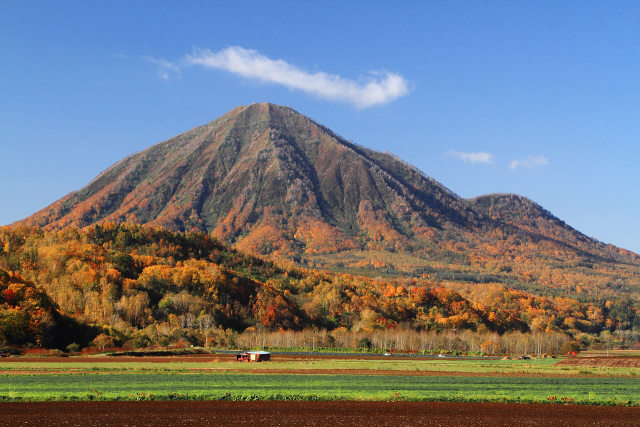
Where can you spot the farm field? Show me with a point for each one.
(251, 386)
(603, 362)
(319, 363)
(216, 377)
(311, 413)
(610, 353)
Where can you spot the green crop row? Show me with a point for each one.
(241, 386)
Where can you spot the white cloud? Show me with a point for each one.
(472, 157)
(380, 87)
(165, 68)
(530, 162)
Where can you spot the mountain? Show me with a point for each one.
(265, 167)
(272, 181)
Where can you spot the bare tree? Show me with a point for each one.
(205, 323)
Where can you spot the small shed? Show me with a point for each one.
(253, 356)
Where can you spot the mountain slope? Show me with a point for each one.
(271, 181)
(263, 165)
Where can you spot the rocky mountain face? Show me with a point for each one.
(272, 181)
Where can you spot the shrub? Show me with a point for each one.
(74, 347)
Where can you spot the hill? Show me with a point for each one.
(141, 286)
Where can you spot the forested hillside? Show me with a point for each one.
(138, 285)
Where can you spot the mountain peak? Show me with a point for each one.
(508, 205)
(260, 109)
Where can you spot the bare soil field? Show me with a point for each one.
(609, 362)
(311, 413)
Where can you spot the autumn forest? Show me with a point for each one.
(137, 286)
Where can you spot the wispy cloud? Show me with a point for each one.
(530, 162)
(165, 68)
(472, 157)
(379, 87)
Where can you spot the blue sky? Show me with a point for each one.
(536, 98)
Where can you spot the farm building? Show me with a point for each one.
(253, 356)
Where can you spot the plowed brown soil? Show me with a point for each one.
(311, 414)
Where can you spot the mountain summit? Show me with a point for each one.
(272, 181)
